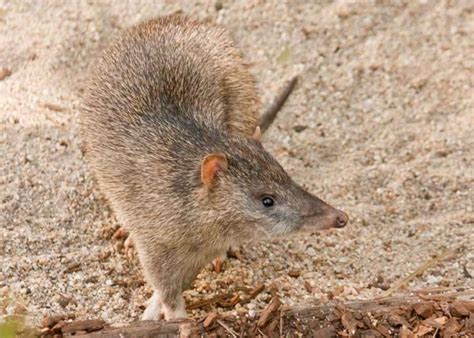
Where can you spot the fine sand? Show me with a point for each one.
(381, 125)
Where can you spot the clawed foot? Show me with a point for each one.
(156, 310)
(153, 309)
(218, 262)
(123, 242)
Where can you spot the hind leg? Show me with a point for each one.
(153, 310)
(166, 276)
(174, 308)
(169, 308)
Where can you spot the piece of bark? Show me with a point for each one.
(272, 327)
(210, 301)
(397, 320)
(452, 327)
(383, 330)
(231, 303)
(308, 287)
(64, 300)
(274, 290)
(50, 321)
(58, 327)
(210, 319)
(53, 107)
(104, 255)
(72, 267)
(294, 273)
(421, 330)
(470, 322)
(84, 325)
(227, 328)
(424, 310)
(253, 293)
(257, 290)
(328, 331)
(437, 323)
(349, 323)
(406, 333)
(268, 312)
(369, 334)
(150, 329)
(459, 309)
(299, 128)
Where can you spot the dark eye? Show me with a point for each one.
(267, 201)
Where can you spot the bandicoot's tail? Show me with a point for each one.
(269, 115)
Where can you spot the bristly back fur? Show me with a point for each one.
(167, 96)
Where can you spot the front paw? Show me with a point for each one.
(217, 264)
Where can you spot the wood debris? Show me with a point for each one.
(72, 267)
(257, 290)
(210, 301)
(57, 326)
(253, 293)
(210, 319)
(53, 107)
(50, 321)
(230, 303)
(84, 325)
(407, 317)
(424, 310)
(269, 311)
(418, 272)
(308, 287)
(294, 273)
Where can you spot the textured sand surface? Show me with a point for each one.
(386, 104)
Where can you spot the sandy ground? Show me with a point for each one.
(386, 102)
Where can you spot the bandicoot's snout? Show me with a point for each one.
(341, 219)
(329, 218)
(319, 215)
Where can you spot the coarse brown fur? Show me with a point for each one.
(168, 121)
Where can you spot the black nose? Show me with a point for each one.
(341, 219)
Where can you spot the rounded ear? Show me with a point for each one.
(211, 165)
(257, 135)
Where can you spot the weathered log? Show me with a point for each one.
(446, 311)
(150, 329)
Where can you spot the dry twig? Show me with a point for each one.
(210, 319)
(428, 264)
(268, 312)
(212, 300)
(227, 328)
